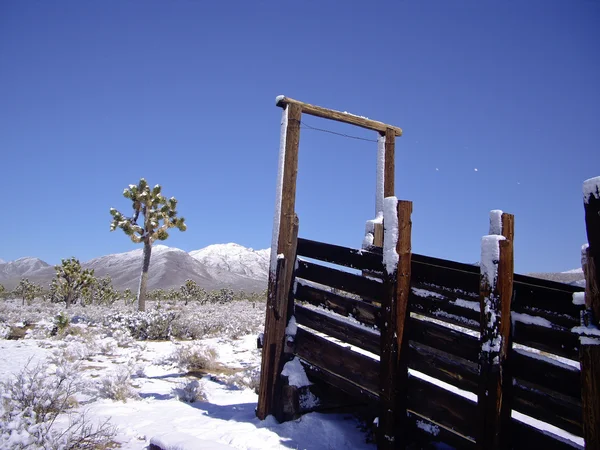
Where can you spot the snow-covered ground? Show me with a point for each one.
(146, 378)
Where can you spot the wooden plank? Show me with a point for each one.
(286, 229)
(394, 343)
(590, 354)
(561, 320)
(354, 367)
(559, 342)
(339, 329)
(389, 172)
(345, 281)
(443, 366)
(541, 296)
(337, 382)
(557, 377)
(441, 406)
(424, 432)
(548, 406)
(339, 116)
(443, 338)
(438, 306)
(527, 437)
(455, 283)
(364, 312)
(447, 264)
(495, 383)
(343, 256)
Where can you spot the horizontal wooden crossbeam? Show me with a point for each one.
(332, 114)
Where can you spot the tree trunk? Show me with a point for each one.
(144, 276)
(68, 299)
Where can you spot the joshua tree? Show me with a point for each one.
(27, 290)
(70, 281)
(190, 290)
(2, 290)
(155, 208)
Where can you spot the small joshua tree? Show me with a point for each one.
(190, 290)
(70, 281)
(27, 290)
(2, 290)
(155, 208)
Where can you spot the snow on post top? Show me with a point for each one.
(490, 255)
(591, 188)
(278, 99)
(390, 234)
(496, 221)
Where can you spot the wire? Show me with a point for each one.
(307, 126)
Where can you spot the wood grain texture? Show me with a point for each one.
(336, 254)
(339, 116)
(390, 163)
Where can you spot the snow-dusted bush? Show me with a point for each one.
(194, 357)
(118, 386)
(152, 325)
(31, 403)
(248, 379)
(189, 392)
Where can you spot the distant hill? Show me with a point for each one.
(214, 267)
(574, 276)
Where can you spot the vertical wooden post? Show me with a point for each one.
(278, 290)
(589, 352)
(390, 164)
(495, 300)
(393, 367)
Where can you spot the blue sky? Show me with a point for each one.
(96, 94)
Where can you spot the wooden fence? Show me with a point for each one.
(445, 386)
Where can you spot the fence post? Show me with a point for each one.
(393, 369)
(589, 352)
(496, 288)
(285, 228)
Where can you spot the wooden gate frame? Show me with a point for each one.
(285, 230)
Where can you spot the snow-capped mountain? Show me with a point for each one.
(234, 258)
(22, 267)
(213, 267)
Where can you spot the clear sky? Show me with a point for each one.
(499, 103)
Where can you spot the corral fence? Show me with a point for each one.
(471, 356)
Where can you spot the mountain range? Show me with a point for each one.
(213, 267)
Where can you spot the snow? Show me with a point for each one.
(278, 99)
(225, 420)
(467, 304)
(295, 372)
(496, 222)
(531, 320)
(591, 188)
(292, 327)
(425, 293)
(584, 340)
(380, 182)
(572, 365)
(577, 270)
(579, 298)
(490, 255)
(428, 427)
(390, 237)
(278, 192)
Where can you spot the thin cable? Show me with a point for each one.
(307, 126)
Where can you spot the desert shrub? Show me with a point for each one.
(32, 401)
(61, 322)
(118, 386)
(151, 325)
(194, 357)
(189, 392)
(248, 379)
